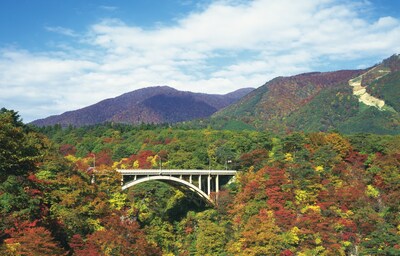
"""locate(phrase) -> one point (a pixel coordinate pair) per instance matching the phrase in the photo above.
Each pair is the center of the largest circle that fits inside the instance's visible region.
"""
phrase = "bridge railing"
(175, 172)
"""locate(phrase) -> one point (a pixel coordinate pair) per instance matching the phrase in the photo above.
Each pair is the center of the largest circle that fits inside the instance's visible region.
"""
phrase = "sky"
(57, 56)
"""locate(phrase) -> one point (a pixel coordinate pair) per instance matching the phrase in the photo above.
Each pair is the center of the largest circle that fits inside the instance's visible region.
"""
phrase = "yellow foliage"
(166, 164)
(301, 196)
(349, 213)
(115, 165)
(295, 230)
(117, 200)
(155, 161)
(291, 237)
(337, 183)
(71, 158)
(372, 192)
(95, 224)
(338, 226)
(346, 243)
(12, 248)
(260, 236)
(136, 164)
(336, 210)
(207, 133)
(340, 144)
(319, 250)
(120, 164)
(314, 208)
(271, 154)
(288, 157)
(319, 168)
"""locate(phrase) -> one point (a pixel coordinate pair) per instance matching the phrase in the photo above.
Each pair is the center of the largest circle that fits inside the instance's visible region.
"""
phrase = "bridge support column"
(200, 182)
(217, 183)
(209, 185)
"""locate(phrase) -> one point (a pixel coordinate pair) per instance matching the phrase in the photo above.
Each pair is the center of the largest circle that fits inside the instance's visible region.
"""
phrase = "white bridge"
(201, 182)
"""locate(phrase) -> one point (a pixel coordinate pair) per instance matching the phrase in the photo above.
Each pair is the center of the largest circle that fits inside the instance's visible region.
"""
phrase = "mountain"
(349, 101)
(161, 104)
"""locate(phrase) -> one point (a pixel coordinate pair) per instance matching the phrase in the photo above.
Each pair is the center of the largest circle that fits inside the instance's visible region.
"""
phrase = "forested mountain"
(161, 104)
(295, 194)
(349, 101)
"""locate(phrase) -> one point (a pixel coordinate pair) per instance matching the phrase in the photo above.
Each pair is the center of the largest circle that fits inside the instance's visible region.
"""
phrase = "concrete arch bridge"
(200, 182)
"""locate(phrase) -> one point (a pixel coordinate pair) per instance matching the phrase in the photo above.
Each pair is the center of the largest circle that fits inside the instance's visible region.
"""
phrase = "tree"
(20, 148)
(260, 236)
(120, 236)
(31, 240)
(210, 238)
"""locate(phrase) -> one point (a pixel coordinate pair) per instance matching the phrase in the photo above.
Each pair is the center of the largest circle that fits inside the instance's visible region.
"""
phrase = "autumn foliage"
(294, 194)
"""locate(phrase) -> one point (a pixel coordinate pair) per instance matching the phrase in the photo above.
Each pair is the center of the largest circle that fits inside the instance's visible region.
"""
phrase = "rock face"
(360, 91)
(348, 101)
(161, 104)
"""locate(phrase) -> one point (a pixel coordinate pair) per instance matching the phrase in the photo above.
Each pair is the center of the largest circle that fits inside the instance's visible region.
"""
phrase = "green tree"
(20, 148)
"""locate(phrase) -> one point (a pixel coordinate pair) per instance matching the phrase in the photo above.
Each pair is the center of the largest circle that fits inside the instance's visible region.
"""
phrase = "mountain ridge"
(348, 101)
(158, 104)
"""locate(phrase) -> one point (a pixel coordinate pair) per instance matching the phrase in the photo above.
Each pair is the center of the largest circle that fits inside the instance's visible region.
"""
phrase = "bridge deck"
(144, 172)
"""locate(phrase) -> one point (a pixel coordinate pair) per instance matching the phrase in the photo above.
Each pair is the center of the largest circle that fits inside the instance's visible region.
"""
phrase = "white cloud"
(108, 8)
(62, 31)
(216, 49)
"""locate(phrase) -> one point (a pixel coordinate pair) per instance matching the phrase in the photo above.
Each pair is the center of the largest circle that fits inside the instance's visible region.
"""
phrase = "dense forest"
(295, 194)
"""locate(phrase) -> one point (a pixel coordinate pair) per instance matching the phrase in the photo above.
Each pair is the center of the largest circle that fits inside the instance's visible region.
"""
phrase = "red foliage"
(163, 154)
(81, 165)
(104, 158)
(356, 159)
(350, 196)
(287, 252)
(33, 240)
(167, 141)
(379, 182)
(108, 140)
(254, 158)
(67, 149)
(121, 236)
(277, 197)
(142, 158)
(80, 248)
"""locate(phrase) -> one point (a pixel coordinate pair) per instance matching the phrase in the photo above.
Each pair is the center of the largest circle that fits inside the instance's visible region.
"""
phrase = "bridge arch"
(174, 181)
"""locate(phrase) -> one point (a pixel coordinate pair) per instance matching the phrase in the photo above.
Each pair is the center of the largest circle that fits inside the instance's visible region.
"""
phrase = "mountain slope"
(161, 104)
(348, 100)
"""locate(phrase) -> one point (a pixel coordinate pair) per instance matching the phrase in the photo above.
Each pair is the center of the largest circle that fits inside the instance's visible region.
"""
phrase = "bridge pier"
(200, 182)
(209, 185)
(217, 183)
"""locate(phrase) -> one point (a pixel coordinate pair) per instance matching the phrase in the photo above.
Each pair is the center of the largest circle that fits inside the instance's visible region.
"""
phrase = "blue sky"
(58, 55)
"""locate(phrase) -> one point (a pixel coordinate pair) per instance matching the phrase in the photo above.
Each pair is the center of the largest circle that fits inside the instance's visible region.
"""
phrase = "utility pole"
(94, 167)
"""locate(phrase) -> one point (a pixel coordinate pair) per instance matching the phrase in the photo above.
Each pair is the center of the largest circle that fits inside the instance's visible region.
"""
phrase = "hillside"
(161, 104)
(296, 194)
(349, 101)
